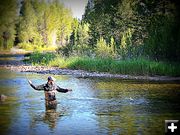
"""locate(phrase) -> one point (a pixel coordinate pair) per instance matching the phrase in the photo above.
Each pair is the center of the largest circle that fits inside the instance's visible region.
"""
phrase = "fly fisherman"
(50, 89)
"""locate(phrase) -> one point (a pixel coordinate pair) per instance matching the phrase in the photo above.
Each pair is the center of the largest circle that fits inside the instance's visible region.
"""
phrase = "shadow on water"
(50, 117)
(8, 108)
(95, 106)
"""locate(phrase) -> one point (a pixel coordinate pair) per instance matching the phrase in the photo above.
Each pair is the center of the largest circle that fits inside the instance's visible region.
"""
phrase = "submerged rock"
(2, 97)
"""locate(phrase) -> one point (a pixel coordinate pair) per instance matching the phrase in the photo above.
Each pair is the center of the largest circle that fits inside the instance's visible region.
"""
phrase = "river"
(96, 106)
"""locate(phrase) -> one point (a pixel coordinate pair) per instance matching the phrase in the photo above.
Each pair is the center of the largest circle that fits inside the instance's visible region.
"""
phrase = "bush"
(37, 58)
(104, 50)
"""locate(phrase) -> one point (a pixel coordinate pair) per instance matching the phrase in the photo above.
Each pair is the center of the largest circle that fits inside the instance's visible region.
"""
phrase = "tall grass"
(131, 67)
(37, 58)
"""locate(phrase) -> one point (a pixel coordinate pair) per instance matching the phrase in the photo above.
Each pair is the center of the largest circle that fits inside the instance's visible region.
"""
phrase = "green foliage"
(27, 29)
(32, 47)
(44, 24)
(112, 19)
(79, 40)
(163, 39)
(132, 66)
(26, 46)
(58, 62)
(74, 37)
(126, 44)
(104, 50)
(64, 50)
(125, 29)
(82, 33)
(139, 28)
(82, 47)
(8, 18)
(37, 58)
(62, 23)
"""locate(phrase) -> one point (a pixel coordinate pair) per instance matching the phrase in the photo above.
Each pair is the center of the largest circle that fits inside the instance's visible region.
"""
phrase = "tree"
(44, 23)
(82, 46)
(8, 17)
(163, 39)
(153, 25)
(73, 37)
(65, 27)
(28, 23)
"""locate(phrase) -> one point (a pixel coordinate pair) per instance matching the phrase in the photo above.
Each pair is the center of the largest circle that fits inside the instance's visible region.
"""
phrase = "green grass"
(131, 67)
(37, 58)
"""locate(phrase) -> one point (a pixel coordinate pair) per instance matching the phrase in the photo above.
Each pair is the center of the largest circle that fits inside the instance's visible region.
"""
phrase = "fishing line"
(26, 77)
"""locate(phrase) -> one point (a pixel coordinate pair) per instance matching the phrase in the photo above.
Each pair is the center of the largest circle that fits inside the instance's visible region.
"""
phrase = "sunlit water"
(95, 106)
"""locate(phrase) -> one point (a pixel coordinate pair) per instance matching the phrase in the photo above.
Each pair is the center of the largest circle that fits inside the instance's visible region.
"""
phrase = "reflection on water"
(49, 117)
(95, 106)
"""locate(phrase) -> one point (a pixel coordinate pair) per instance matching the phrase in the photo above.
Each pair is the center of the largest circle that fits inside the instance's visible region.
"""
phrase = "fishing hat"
(51, 78)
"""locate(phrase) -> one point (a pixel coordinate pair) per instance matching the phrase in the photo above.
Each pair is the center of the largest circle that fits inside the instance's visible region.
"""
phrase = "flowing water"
(95, 106)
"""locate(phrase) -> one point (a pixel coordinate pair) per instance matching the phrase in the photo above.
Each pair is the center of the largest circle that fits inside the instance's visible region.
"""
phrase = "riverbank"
(14, 51)
(135, 67)
(15, 63)
(83, 73)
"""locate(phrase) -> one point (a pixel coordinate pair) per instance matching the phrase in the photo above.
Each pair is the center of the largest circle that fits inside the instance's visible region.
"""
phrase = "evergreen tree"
(44, 23)
(153, 25)
(28, 23)
(104, 50)
(79, 40)
(73, 37)
(8, 18)
(163, 29)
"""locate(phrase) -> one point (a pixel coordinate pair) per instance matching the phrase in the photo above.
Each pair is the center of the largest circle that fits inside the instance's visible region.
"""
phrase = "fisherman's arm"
(39, 87)
(62, 89)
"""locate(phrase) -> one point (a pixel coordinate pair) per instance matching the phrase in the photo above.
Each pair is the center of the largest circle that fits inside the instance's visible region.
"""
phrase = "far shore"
(83, 74)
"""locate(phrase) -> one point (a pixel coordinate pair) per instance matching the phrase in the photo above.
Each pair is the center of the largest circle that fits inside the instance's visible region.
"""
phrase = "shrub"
(104, 50)
(41, 58)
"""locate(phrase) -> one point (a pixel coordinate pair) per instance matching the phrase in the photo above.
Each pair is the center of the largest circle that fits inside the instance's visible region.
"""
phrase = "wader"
(50, 93)
(50, 99)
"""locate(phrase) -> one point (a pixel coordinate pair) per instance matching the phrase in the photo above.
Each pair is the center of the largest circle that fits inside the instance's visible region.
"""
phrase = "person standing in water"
(50, 89)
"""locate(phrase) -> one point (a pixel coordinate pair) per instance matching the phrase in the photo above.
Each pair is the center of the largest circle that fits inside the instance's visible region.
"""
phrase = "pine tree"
(44, 23)
(27, 30)
(8, 18)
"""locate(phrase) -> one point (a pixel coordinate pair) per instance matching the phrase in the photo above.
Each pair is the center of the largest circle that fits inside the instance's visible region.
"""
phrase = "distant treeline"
(149, 28)
(34, 24)
(120, 29)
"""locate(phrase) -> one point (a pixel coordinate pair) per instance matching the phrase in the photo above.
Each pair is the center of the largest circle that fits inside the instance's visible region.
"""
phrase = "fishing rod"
(29, 81)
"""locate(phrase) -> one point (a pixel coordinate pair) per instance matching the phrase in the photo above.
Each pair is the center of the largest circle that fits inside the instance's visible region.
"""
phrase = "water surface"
(95, 106)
